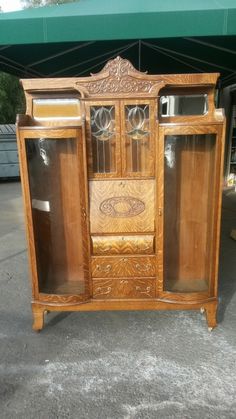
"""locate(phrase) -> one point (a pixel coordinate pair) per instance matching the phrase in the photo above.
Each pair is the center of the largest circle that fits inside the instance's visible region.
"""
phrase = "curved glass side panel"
(56, 190)
(189, 173)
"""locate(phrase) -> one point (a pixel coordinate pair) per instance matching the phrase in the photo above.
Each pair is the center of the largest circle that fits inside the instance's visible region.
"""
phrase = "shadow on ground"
(112, 364)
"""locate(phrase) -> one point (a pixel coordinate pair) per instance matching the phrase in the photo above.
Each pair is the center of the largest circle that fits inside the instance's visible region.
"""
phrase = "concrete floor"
(112, 364)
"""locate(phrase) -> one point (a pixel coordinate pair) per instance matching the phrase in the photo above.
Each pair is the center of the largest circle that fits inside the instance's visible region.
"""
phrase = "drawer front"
(112, 245)
(126, 206)
(124, 288)
(118, 267)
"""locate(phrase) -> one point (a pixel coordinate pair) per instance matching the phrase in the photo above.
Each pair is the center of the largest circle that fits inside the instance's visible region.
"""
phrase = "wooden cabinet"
(121, 175)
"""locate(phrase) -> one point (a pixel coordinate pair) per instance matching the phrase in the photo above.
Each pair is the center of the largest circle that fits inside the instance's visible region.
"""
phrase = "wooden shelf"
(67, 288)
(190, 285)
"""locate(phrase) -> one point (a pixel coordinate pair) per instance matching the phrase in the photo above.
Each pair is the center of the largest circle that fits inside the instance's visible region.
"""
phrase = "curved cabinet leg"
(211, 310)
(38, 317)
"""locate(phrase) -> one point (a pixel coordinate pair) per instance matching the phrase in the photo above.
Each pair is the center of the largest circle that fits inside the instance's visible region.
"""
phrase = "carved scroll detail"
(118, 67)
(102, 291)
(143, 268)
(103, 268)
(118, 76)
(124, 288)
(144, 291)
(115, 85)
(134, 206)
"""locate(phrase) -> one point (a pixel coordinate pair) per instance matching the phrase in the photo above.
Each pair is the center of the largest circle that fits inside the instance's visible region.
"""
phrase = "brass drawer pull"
(102, 290)
(143, 268)
(143, 291)
(103, 268)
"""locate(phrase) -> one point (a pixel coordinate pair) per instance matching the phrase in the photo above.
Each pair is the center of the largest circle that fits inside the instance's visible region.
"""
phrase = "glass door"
(103, 137)
(189, 203)
(55, 189)
(138, 133)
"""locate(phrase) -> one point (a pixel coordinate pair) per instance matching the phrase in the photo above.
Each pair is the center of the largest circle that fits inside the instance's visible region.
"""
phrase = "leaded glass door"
(138, 133)
(103, 139)
(120, 138)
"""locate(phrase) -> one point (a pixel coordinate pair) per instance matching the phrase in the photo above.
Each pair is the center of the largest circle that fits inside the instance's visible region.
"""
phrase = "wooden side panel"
(159, 208)
(72, 186)
(123, 206)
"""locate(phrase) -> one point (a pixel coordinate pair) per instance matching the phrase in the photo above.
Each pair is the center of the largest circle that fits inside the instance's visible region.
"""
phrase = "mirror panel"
(46, 109)
(180, 105)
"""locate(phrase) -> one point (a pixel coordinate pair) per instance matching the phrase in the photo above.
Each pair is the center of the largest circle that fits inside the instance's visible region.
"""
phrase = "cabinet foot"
(38, 319)
(211, 316)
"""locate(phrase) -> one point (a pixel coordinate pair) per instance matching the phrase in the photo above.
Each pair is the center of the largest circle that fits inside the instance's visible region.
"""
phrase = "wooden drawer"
(124, 288)
(118, 267)
(111, 245)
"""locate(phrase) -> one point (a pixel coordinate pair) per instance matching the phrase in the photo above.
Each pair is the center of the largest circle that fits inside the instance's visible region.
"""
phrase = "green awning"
(123, 19)
(156, 35)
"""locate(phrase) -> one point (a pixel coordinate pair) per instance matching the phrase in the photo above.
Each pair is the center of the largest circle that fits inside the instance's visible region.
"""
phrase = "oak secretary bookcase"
(121, 175)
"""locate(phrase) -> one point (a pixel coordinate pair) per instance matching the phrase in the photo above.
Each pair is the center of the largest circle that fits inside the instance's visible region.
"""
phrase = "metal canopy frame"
(160, 37)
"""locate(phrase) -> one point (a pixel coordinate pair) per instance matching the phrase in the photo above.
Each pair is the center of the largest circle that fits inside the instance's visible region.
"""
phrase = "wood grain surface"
(124, 288)
(140, 190)
(114, 266)
(112, 245)
(122, 213)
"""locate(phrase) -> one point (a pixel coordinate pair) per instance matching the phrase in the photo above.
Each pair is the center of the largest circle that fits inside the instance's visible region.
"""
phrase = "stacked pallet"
(9, 165)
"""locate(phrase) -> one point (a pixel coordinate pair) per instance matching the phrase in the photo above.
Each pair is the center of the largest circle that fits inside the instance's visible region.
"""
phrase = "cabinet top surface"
(120, 78)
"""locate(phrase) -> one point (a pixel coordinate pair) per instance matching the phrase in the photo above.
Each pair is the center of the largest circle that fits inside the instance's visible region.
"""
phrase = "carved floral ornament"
(120, 77)
(122, 206)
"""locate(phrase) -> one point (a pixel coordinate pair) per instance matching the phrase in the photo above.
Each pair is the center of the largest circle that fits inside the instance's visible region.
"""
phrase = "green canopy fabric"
(123, 19)
(169, 36)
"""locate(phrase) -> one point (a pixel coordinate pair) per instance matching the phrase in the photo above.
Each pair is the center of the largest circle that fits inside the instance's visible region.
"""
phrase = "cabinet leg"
(38, 317)
(211, 316)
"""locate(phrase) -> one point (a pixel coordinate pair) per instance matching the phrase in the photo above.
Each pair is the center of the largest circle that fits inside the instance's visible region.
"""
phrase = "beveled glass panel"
(137, 139)
(56, 192)
(189, 172)
(177, 105)
(102, 125)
